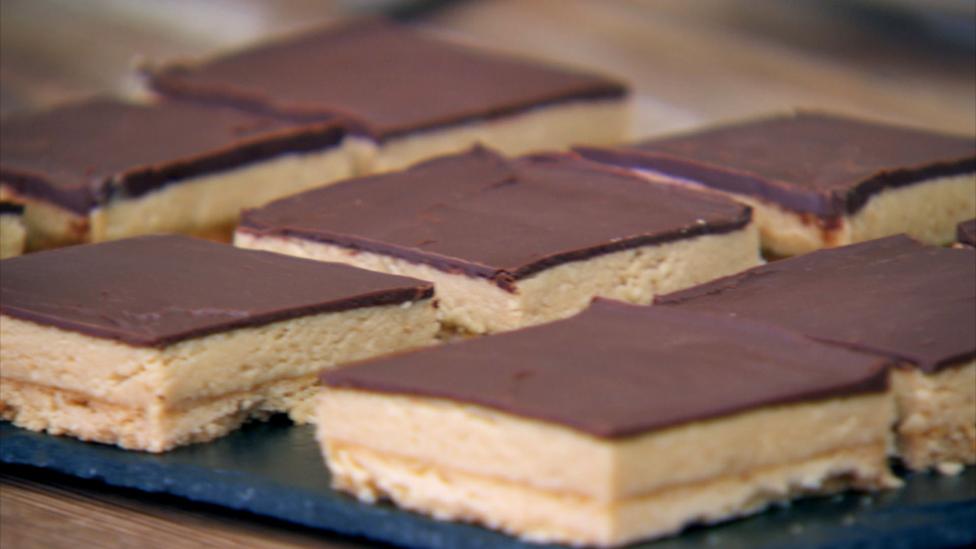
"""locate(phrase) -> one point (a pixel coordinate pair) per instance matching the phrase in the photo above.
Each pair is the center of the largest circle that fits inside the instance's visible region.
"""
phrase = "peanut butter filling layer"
(465, 462)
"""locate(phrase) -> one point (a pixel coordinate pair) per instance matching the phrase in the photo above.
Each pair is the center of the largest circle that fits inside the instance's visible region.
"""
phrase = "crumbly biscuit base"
(937, 417)
(475, 305)
(543, 516)
(155, 428)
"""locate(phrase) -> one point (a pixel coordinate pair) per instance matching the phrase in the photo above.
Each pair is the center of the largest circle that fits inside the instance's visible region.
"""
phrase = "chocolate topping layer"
(618, 370)
(807, 162)
(483, 215)
(891, 296)
(79, 156)
(11, 208)
(156, 290)
(391, 78)
(966, 232)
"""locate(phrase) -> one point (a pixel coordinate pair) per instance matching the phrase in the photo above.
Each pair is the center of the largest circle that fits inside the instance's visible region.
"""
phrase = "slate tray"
(274, 469)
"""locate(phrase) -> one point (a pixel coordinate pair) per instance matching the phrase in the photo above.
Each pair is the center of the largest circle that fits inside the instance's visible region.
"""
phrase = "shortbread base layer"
(476, 305)
(551, 483)
(197, 206)
(937, 417)
(153, 429)
(928, 211)
(12, 236)
(554, 127)
(545, 517)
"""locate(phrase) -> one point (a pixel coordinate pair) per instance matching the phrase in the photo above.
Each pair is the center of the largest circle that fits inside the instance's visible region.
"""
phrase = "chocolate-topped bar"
(966, 233)
(104, 169)
(12, 233)
(818, 180)
(418, 96)
(894, 297)
(514, 242)
(621, 423)
(154, 342)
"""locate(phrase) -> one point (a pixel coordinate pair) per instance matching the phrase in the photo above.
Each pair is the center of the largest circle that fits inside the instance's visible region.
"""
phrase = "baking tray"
(274, 469)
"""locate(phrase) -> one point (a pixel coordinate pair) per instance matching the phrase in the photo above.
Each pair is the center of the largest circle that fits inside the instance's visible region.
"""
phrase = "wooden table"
(45, 510)
(690, 63)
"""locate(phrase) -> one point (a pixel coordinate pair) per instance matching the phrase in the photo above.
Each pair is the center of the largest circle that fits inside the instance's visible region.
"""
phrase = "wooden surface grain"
(43, 510)
(689, 63)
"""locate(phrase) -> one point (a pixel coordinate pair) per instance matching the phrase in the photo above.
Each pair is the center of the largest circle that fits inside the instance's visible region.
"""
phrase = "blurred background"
(690, 62)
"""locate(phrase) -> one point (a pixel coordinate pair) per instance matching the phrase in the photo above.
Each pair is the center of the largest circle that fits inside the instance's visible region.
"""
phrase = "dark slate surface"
(274, 469)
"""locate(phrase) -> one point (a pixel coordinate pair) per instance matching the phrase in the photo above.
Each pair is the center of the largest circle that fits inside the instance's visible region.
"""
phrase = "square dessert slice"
(619, 424)
(419, 96)
(104, 169)
(155, 342)
(12, 233)
(894, 296)
(509, 243)
(818, 180)
(966, 233)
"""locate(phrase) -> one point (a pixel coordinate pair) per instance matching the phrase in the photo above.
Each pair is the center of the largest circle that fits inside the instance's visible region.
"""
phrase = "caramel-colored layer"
(476, 305)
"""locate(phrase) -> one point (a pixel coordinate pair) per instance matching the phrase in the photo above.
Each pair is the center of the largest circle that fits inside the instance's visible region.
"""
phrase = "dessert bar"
(159, 341)
(418, 96)
(103, 169)
(895, 297)
(622, 423)
(818, 180)
(509, 243)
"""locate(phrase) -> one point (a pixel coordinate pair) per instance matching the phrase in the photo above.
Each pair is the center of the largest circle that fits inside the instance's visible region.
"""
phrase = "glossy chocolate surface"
(892, 296)
(392, 79)
(156, 290)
